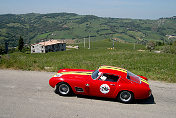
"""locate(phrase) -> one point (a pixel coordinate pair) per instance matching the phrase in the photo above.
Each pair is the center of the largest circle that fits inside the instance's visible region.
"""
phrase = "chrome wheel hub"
(125, 96)
(64, 89)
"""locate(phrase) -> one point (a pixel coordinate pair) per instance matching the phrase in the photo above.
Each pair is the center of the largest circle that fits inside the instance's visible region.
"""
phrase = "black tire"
(125, 97)
(63, 89)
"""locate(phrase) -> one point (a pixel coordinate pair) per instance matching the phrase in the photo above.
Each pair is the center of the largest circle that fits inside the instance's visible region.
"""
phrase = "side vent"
(78, 89)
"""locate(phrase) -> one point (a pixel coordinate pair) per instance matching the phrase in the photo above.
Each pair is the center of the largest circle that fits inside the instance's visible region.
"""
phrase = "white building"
(48, 46)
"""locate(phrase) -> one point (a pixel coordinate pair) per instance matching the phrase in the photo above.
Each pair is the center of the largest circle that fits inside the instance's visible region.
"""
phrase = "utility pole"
(113, 44)
(84, 43)
(87, 27)
(89, 41)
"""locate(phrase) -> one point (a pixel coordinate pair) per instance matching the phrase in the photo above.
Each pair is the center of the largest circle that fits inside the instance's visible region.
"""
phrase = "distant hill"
(34, 27)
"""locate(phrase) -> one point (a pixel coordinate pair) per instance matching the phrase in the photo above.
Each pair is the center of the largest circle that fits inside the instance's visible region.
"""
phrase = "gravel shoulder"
(27, 94)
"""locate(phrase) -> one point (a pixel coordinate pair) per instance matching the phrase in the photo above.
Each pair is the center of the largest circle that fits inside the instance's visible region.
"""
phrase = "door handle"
(112, 84)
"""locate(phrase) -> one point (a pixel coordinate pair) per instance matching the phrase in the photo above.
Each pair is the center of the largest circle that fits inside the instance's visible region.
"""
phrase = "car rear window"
(131, 76)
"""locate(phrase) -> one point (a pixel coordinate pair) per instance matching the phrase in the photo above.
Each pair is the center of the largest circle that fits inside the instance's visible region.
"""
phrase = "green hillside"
(34, 27)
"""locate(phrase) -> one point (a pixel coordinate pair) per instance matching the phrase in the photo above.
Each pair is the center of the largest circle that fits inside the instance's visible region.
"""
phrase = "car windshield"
(131, 76)
(95, 74)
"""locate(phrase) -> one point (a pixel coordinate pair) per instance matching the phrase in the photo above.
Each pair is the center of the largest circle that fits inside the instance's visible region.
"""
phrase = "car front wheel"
(63, 89)
(126, 97)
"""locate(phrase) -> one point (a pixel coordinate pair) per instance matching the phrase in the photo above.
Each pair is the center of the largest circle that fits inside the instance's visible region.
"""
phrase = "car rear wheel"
(63, 89)
(126, 97)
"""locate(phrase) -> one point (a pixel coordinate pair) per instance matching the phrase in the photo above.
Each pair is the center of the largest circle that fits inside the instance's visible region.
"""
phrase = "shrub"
(2, 50)
(170, 48)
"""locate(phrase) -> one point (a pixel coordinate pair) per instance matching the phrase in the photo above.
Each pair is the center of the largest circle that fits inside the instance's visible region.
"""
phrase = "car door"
(104, 88)
(79, 85)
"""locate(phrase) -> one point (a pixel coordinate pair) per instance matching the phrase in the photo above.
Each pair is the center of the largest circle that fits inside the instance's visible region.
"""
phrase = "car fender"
(55, 80)
(145, 78)
(76, 83)
(123, 87)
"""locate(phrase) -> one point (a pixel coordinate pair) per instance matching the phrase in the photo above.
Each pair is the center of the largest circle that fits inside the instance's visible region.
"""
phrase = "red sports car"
(107, 81)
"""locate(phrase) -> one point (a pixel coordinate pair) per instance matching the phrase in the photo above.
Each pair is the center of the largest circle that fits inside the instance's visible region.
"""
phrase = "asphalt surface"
(26, 94)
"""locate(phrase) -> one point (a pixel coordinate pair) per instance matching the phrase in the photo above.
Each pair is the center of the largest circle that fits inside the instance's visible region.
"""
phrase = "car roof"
(112, 70)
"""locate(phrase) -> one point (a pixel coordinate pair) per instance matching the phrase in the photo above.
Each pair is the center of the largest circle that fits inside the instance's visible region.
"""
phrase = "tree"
(158, 43)
(150, 45)
(20, 44)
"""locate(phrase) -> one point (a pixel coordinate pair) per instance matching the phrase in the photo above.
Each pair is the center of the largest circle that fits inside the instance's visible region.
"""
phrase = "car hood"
(74, 70)
(81, 74)
(72, 73)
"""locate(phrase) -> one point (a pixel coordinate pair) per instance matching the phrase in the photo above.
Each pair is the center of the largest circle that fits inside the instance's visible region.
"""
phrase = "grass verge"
(152, 65)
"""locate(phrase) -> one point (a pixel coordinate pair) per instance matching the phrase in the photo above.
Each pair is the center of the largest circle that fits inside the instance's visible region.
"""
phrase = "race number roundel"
(104, 88)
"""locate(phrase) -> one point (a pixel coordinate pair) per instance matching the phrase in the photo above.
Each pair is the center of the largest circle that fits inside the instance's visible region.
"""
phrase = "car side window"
(109, 77)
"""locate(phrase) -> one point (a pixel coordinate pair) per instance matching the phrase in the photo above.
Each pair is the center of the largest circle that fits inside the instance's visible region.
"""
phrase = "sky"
(135, 9)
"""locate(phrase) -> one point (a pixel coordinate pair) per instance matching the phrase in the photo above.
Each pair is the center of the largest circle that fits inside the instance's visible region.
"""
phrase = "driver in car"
(102, 77)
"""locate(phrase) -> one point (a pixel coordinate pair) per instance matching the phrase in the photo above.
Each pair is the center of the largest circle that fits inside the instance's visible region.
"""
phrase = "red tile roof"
(50, 42)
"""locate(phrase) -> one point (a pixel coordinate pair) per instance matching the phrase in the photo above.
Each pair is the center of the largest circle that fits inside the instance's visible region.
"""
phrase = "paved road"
(26, 94)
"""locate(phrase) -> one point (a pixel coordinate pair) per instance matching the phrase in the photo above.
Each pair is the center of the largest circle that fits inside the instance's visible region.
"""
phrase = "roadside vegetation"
(155, 66)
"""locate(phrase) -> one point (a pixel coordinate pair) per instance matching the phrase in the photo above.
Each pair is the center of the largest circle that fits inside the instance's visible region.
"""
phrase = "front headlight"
(57, 75)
